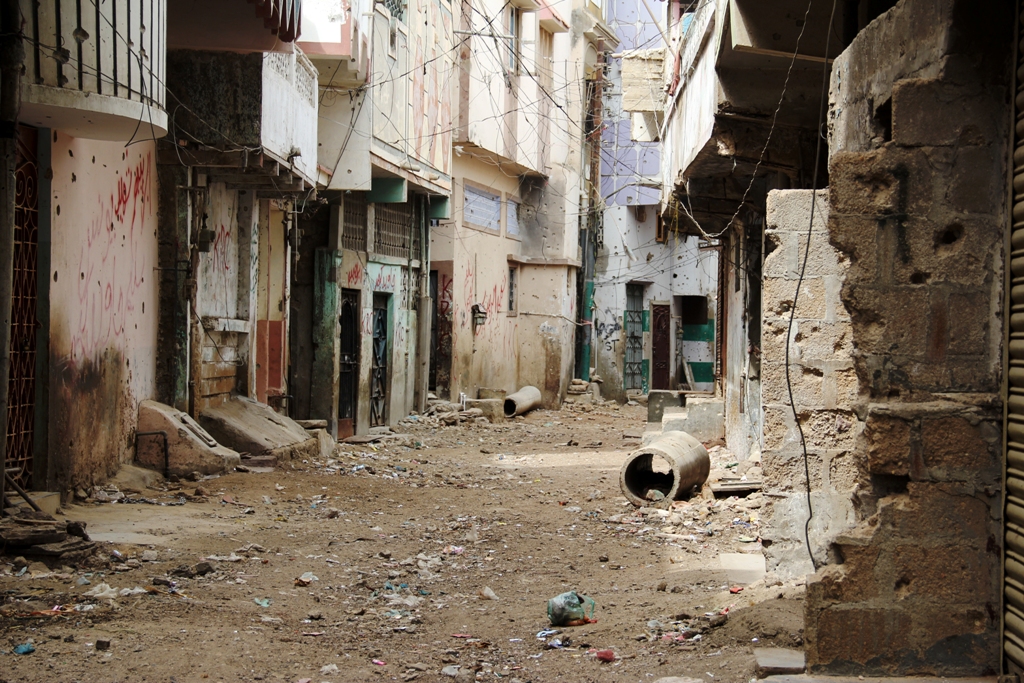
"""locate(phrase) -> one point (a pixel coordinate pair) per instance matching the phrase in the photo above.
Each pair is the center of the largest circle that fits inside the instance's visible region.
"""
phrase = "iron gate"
(22, 390)
(634, 324)
(379, 372)
(348, 381)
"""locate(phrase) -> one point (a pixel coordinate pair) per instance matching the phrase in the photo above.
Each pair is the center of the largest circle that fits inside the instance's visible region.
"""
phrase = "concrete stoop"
(702, 418)
(251, 427)
(190, 448)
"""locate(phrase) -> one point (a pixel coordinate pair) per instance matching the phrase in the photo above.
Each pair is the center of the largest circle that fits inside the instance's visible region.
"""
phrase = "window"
(482, 209)
(513, 286)
(512, 218)
(661, 234)
(693, 310)
(515, 31)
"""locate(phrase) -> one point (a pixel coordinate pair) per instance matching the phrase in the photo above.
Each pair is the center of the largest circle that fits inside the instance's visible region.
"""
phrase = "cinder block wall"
(919, 126)
(824, 383)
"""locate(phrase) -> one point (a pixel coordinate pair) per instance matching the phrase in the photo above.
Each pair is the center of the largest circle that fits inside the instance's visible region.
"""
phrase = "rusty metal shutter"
(1013, 519)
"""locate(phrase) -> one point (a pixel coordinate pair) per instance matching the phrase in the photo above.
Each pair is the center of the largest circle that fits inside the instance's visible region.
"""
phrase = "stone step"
(773, 661)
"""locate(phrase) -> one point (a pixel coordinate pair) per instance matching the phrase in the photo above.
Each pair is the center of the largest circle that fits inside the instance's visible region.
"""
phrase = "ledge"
(532, 261)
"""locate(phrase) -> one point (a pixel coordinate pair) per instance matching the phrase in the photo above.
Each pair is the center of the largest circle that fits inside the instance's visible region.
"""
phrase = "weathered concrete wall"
(103, 304)
(918, 208)
(825, 387)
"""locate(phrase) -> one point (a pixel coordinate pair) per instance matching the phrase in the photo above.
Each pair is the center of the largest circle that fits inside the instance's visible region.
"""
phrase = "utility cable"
(800, 281)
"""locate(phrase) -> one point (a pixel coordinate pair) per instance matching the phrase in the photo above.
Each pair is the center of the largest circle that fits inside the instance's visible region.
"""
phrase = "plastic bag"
(570, 609)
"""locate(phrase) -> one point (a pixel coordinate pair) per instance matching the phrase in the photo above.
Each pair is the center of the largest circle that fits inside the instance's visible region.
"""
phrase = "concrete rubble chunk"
(189, 447)
(772, 661)
(252, 427)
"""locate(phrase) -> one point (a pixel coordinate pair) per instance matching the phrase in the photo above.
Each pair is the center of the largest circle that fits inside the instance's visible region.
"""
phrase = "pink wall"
(103, 303)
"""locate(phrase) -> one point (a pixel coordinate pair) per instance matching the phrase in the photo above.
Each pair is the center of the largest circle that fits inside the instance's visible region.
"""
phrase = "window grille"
(512, 218)
(396, 8)
(482, 209)
(353, 234)
(633, 365)
(393, 227)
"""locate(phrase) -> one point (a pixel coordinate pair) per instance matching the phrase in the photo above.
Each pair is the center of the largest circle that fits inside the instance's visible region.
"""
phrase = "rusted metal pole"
(12, 58)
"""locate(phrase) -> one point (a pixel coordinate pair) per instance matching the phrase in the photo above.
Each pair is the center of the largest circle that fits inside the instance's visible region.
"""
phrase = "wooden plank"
(736, 486)
(211, 387)
(219, 369)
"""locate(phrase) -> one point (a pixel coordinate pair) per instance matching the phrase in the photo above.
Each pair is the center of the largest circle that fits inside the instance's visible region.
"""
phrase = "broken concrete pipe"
(523, 401)
(682, 464)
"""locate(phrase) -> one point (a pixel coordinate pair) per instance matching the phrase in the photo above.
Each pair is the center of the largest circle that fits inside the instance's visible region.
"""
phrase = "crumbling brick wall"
(824, 382)
(919, 145)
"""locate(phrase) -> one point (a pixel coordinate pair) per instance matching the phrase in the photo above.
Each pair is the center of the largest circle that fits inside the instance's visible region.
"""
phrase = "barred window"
(512, 217)
(482, 209)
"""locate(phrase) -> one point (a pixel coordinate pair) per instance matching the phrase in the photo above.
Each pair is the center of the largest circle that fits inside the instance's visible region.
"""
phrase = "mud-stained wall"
(918, 176)
(103, 304)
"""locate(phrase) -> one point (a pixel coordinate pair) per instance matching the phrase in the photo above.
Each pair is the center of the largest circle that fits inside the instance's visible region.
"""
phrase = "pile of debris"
(37, 534)
(450, 414)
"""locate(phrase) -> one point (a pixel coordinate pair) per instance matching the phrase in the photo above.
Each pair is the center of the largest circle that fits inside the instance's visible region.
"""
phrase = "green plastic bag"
(570, 609)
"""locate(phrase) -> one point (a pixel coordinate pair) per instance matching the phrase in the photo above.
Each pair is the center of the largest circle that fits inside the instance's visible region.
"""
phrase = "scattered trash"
(571, 609)
(329, 669)
(605, 655)
(541, 635)
(306, 579)
(736, 589)
(263, 602)
(24, 649)
(222, 558)
(451, 670)
(102, 592)
(102, 645)
(486, 593)
(379, 662)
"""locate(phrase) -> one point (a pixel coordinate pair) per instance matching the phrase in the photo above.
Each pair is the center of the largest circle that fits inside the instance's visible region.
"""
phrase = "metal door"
(661, 346)
(348, 381)
(634, 324)
(21, 393)
(379, 371)
(1013, 514)
(432, 379)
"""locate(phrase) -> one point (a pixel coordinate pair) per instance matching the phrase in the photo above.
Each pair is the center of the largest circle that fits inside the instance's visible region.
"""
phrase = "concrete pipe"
(664, 470)
(523, 401)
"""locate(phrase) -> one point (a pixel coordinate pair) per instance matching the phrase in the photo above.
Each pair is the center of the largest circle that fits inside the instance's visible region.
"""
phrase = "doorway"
(379, 369)
(348, 380)
(661, 346)
(633, 376)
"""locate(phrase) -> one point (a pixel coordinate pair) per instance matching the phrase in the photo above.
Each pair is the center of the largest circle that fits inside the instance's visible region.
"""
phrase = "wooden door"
(661, 345)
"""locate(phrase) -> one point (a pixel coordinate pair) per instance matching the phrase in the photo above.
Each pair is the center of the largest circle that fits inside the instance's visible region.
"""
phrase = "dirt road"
(372, 566)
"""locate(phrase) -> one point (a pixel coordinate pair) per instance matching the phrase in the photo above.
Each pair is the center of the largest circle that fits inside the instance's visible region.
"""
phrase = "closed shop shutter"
(1013, 581)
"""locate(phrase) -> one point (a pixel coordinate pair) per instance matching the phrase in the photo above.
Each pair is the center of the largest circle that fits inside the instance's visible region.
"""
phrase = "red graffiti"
(385, 282)
(221, 244)
(355, 275)
(112, 262)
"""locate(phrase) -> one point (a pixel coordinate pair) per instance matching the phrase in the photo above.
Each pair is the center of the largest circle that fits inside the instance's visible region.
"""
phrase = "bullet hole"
(58, 209)
(675, 275)
(55, 276)
(55, 136)
(143, 308)
(950, 235)
(82, 276)
(71, 153)
(74, 178)
(94, 159)
(920, 278)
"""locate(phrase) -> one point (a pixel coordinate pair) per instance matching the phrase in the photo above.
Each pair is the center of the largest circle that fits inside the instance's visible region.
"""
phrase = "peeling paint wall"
(103, 304)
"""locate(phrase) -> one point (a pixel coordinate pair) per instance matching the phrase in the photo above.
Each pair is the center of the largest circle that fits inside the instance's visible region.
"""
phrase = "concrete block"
(190, 447)
(325, 441)
(928, 112)
(770, 661)
(743, 568)
(493, 408)
(48, 501)
(484, 393)
(658, 400)
(254, 428)
(703, 418)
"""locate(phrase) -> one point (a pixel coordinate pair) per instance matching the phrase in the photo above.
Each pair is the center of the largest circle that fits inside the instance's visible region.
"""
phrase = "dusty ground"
(402, 541)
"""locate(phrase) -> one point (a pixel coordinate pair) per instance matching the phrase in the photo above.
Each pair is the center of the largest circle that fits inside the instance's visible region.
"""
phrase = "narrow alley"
(377, 561)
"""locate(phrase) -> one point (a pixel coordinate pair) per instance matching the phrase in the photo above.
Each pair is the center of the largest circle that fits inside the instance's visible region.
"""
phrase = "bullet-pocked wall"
(102, 302)
(919, 128)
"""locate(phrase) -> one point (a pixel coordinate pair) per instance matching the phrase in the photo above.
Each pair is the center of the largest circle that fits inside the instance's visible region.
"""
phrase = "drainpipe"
(423, 317)
(12, 58)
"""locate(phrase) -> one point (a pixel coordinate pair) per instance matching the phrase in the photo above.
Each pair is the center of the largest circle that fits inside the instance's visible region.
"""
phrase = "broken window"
(513, 286)
(482, 209)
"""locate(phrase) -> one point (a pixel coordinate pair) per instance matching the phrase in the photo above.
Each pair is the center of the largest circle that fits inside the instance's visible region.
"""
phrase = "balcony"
(95, 74)
(337, 39)
(250, 108)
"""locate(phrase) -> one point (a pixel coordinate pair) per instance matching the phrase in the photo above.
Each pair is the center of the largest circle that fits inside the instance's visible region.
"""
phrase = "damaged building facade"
(868, 347)
(654, 287)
